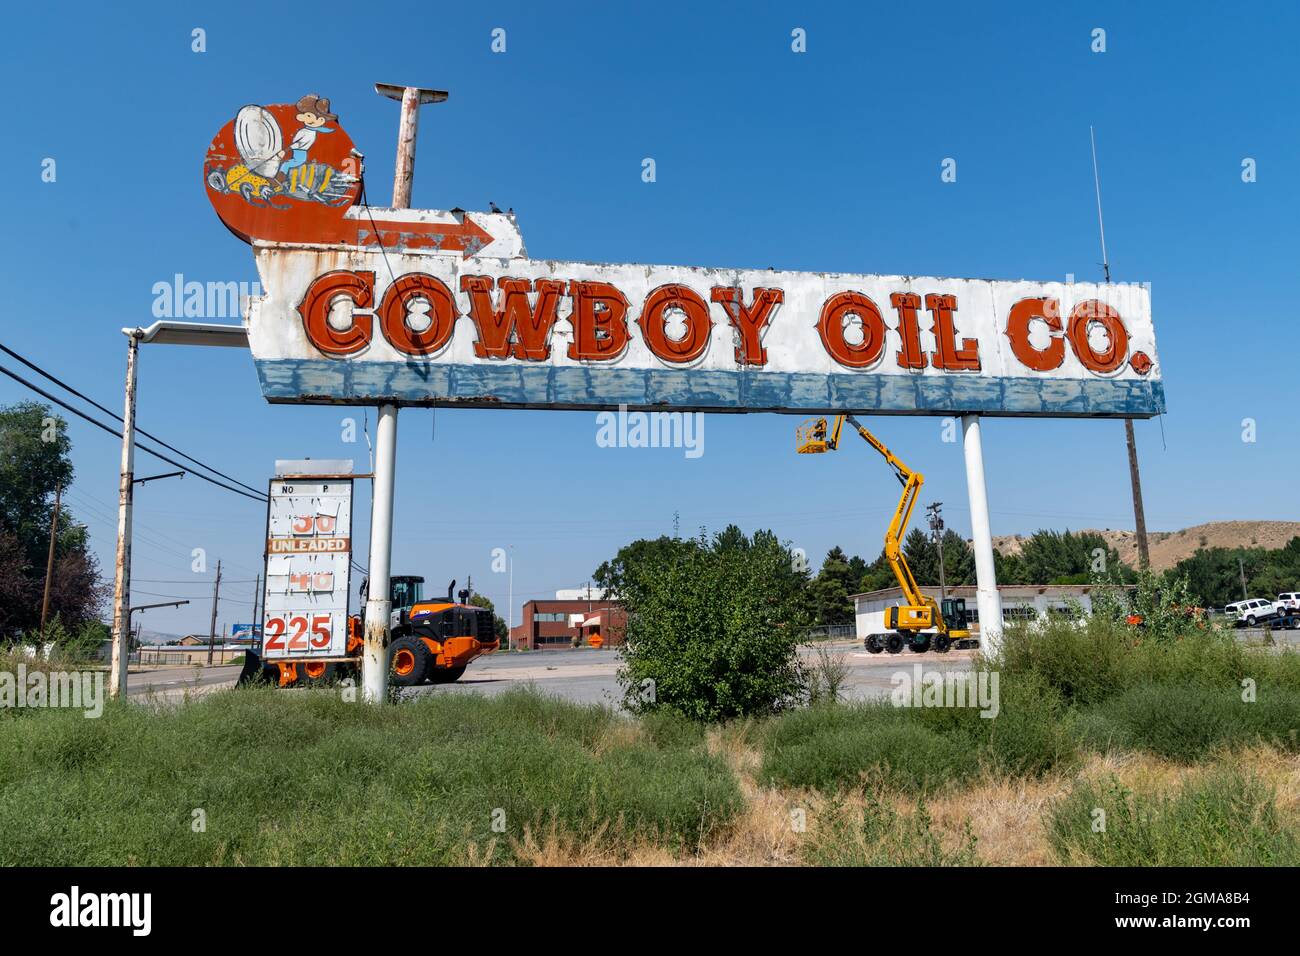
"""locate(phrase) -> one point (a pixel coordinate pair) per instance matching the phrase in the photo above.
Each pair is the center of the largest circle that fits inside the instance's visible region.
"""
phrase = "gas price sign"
(308, 557)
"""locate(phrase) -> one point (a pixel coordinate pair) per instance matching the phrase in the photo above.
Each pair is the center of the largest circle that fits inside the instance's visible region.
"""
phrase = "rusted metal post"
(125, 495)
(374, 663)
(49, 560)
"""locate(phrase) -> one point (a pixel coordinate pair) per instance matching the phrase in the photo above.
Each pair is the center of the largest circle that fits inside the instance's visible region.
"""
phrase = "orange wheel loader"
(429, 642)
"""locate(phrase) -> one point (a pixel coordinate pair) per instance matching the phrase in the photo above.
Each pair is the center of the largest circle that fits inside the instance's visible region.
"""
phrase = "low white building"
(1020, 602)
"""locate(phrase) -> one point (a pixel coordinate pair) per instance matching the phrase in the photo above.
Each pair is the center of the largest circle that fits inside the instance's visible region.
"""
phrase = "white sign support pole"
(987, 598)
(374, 663)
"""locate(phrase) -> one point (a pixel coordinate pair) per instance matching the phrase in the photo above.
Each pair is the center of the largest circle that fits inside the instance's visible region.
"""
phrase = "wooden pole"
(49, 560)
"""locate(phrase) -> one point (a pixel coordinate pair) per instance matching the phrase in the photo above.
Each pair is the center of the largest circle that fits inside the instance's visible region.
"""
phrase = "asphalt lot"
(583, 675)
(591, 676)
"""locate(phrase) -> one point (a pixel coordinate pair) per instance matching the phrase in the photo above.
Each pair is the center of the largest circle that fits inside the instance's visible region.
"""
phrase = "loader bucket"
(252, 670)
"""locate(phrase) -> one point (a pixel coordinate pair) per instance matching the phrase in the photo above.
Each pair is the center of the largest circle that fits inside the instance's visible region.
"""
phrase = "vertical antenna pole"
(1130, 440)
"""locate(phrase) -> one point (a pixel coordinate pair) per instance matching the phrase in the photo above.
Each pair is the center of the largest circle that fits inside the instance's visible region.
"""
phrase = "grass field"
(1106, 750)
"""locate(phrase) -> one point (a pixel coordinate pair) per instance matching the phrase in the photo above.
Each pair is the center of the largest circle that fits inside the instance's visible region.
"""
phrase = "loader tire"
(446, 675)
(317, 674)
(409, 662)
(894, 643)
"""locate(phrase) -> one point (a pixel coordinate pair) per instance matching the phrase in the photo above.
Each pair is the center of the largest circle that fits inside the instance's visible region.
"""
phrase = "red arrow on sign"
(466, 237)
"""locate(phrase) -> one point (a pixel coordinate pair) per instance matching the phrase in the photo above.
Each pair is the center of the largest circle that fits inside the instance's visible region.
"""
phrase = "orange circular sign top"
(284, 173)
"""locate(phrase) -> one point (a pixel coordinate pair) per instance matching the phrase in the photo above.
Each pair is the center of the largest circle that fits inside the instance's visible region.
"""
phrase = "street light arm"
(170, 474)
(145, 607)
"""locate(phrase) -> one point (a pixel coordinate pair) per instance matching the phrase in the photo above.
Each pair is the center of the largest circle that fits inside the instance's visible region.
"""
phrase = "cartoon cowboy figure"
(313, 113)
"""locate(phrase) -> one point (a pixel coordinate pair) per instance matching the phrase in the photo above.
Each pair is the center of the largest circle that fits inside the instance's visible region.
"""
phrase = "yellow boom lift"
(920, 623)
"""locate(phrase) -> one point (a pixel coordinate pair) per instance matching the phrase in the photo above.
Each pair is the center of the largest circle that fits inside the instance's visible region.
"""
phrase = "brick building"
(554, 623)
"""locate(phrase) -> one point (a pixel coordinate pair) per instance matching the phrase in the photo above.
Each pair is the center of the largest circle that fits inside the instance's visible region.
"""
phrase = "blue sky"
(826, 160)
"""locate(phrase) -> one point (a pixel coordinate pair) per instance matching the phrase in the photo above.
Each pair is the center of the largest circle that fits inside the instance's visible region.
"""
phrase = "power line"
(64, 385)
(112, 431)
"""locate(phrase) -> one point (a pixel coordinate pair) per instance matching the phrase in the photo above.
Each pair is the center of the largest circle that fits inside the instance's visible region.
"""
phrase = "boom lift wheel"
(942, 643)
(873, 644)
(919, 647)
(894, 643)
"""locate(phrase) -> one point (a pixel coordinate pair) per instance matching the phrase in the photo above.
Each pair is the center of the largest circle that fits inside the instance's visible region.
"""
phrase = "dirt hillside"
(1170, 547)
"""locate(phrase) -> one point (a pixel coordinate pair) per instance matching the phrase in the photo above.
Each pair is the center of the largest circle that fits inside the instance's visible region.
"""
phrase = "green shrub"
(305, 778)
(1029, 735)
(877, 835)
(917, 749)
(713, 629)
(834, 746)
(1091, 662)
(1085, 663)
(1188, 722)
(1223, 819)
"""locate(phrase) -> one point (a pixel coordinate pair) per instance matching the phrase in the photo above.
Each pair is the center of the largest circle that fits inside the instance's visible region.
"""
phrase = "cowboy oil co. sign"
(424, 307)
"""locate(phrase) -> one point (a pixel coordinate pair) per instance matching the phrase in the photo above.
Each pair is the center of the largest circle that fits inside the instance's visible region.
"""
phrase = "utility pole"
(125, 497)
(212, 626)
(374, 663)
(510, 604)
(1135, 479)
(936, 529)
(1241, 569)
(257, 594)
(49, 561)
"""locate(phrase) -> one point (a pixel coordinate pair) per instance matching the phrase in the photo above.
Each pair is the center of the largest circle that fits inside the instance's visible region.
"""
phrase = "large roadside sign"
(308, 562)
(426, 307)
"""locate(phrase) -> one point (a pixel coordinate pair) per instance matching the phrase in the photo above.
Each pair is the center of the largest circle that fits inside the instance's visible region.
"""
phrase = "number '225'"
(295, 629)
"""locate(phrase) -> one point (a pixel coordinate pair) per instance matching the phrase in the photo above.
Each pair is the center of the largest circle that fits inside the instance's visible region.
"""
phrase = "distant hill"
(158, 637)
(1170, 547)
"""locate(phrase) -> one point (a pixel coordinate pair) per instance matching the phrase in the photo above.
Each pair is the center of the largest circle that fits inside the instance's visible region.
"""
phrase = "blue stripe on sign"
(326, 381)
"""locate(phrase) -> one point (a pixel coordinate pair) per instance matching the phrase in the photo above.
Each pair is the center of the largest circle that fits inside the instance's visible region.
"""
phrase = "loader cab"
(954, 613)
(407, 590)
(404, 590)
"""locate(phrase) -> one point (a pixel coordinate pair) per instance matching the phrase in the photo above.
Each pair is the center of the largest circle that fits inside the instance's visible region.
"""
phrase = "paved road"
(589, 676)
(174, 680)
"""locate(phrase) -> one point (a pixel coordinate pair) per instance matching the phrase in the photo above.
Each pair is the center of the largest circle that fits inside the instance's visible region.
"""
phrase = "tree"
(878, 575)
(1214, 574)
(611, 574)
(1009, 568)
(34, 461)
(730, 537)
(499, 626)
(1281, 571)
(922, 557)
(1052, 557)
(712, 628)
(829, 592)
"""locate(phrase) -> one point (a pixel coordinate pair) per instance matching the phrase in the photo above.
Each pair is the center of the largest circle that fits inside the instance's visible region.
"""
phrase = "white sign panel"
(365, 305)
(416, 327)
(308, 560)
